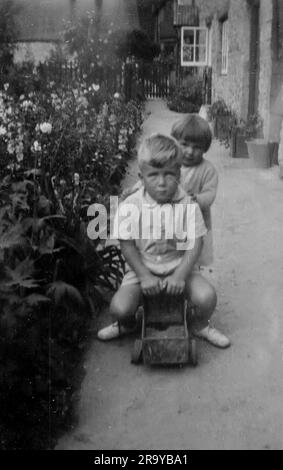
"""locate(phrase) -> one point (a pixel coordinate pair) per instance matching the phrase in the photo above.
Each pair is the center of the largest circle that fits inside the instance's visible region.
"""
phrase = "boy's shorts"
(131, 278)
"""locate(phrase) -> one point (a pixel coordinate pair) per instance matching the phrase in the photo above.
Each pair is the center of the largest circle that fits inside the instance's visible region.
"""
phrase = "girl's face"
(160, 183)
(192, 153)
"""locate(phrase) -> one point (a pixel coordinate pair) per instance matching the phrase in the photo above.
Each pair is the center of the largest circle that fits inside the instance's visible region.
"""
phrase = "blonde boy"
(157, 264)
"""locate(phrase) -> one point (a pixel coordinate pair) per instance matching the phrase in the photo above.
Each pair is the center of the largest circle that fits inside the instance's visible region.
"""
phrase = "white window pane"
(188, 53)
(200, 54)
(189, 36)
(201, 37)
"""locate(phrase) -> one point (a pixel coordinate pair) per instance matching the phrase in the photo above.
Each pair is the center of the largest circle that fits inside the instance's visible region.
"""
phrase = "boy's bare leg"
(123, 307)
(203, 296)
(125, 303)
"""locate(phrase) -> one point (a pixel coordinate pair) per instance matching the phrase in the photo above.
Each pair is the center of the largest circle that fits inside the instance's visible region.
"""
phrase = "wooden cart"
(165, 337)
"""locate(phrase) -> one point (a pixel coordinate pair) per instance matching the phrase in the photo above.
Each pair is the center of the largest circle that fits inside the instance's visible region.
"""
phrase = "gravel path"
(233, 399)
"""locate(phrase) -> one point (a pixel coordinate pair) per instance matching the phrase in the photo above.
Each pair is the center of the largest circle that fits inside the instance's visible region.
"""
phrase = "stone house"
(242, 42)
(41, 22)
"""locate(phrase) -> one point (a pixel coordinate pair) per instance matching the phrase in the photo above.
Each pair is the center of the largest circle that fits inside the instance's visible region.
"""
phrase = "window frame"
(194, 63)
(224, 46)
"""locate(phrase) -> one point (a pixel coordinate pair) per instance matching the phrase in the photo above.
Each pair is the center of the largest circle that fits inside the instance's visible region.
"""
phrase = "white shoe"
(115, 330)
(213, 336)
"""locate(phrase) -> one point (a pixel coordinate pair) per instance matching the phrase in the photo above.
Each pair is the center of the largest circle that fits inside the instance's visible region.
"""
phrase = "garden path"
(233, 399)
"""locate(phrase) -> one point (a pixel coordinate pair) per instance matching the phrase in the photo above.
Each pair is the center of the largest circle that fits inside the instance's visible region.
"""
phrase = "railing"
(147, 80)
(67, 72)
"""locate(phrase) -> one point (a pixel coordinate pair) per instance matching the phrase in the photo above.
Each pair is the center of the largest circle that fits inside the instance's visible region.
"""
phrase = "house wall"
(265, 74)
(234, 86)
(276, 96)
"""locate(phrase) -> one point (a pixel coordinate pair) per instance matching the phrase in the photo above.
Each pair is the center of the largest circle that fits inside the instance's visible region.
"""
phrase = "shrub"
(187, 99)
(62, 148)
(136, 43)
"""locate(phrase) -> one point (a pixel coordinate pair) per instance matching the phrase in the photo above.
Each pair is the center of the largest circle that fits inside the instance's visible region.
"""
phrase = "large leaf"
(60, 290)
(35, 299)
(22, 275)
(12, 237)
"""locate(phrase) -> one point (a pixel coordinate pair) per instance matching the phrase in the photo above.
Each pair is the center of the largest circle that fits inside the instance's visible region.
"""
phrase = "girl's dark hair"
(193, 128)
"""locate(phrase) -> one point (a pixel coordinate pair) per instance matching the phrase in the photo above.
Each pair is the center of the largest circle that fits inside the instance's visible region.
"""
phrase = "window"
(194, 46)
(224, 48)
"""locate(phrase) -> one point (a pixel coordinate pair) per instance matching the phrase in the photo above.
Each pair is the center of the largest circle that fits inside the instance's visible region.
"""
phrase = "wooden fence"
(147, 80)
(68, 73)
(134, 79)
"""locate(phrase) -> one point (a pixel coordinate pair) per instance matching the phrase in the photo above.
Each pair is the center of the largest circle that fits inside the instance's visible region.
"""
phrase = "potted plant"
(224, 120)
(259, 149)
(243, 131)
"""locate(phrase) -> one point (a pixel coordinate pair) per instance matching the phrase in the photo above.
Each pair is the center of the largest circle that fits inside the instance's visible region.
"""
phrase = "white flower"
(10, 148)
(45, 128)
(76, 179)
(95, 87)
(117, 95)
(27, 104)
(6, 86)
(36, 147)
(3, 131)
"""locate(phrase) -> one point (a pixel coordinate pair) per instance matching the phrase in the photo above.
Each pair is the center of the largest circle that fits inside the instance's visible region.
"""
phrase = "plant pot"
(259, 152)
(221, 127)
(238, 144)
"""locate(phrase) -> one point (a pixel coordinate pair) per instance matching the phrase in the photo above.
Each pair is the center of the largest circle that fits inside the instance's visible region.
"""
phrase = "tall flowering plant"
(61, 149)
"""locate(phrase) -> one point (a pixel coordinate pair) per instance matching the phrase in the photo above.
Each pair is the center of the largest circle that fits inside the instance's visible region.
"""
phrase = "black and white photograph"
(141, 227)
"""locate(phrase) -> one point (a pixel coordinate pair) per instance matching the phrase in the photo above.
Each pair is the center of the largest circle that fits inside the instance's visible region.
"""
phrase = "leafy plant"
(225, 121)
(219, 108)
(187, 99)
(62, 148)
(136, 43)
(252, 127)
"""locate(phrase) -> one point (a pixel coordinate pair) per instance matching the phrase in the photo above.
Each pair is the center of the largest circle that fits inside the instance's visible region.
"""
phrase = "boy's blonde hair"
(158, 150)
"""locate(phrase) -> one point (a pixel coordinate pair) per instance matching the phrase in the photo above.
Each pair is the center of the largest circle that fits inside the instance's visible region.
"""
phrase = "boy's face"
(192, 153)
(160, 183)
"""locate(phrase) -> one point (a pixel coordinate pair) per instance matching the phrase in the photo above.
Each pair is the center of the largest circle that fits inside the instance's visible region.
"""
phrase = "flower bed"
(61, 149)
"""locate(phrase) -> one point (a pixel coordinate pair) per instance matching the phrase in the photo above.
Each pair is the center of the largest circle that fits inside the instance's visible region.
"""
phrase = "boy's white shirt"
(161, 256)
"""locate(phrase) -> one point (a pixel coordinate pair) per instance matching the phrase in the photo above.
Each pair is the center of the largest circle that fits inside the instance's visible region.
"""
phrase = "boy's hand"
(150, 285)
(193, 196)
(175, 285)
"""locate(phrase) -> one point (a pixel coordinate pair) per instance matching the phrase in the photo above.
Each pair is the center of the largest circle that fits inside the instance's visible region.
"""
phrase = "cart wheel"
(193, 352)
(137, 352)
